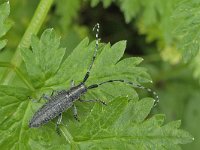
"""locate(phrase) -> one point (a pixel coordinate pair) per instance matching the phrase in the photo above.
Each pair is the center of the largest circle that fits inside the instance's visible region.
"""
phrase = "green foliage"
(72, 7)
(4, 23)
(106, 3)
(191, 118)
(188, 14)
(185, 105)
(153, 19)
(121, 124)
(195, 64)
(187, 30)
(130, 8)
(44, 60)
(127, 122)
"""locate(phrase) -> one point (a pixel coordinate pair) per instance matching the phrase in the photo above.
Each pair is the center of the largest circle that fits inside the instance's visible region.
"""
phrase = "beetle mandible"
(65, 99)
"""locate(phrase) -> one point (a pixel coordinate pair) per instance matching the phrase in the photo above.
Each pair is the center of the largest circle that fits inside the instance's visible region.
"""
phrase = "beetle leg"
(52, 93)
(75, 112)
(46, 97)
(72, 83)
(33, 100)
(58, 123)
(99, 101)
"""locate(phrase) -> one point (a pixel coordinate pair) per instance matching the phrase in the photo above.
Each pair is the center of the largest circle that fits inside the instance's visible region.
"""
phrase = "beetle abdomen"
(48, 112)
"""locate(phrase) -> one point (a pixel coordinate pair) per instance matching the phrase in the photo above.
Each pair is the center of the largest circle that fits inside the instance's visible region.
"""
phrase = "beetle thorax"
(77, 91)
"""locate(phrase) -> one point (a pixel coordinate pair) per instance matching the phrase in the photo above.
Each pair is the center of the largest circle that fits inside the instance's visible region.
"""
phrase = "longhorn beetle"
(57, 103)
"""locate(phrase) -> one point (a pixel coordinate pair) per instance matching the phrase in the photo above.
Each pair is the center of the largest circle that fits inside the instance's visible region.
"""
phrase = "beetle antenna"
(156, 97)
(96, 27)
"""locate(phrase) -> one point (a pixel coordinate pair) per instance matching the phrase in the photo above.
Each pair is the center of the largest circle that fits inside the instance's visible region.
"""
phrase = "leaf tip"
(124, 42)
(160, 118)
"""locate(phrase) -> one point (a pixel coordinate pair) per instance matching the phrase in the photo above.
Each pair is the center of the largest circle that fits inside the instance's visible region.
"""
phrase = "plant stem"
(33, 28)
(19, 73)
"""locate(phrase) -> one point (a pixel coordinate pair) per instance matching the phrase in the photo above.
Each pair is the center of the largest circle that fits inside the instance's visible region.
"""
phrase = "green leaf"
(118, 126)
(76, 65)
(106, 3)
(16, 110)
(191, 118)
(130, 8)
(5, 24)
(195, 64)
(104, 68)
(176, 103)
(94, 3)
(187, 14)
(122, 124)
(107, 66)
(13, 109)
(67, 10)
(154, 20)
(44, 60)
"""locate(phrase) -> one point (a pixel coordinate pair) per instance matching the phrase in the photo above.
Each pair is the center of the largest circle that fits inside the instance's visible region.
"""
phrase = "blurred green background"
(164, 33)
